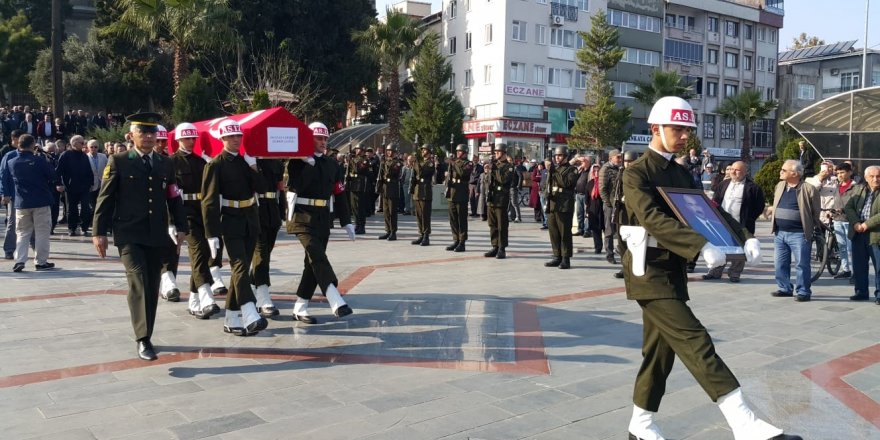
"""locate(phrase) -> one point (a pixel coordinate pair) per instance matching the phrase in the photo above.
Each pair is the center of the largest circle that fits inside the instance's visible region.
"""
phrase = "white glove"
(713, 256)
(309, 160)
(251, 161)
(206, 157)
(753, 251)
(172, 231)
(214, 245)
(349, 228)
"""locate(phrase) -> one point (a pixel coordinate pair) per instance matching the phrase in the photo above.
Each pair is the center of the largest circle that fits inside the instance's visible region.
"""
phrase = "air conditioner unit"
(557, 20)
(469, 112)
(835, 72)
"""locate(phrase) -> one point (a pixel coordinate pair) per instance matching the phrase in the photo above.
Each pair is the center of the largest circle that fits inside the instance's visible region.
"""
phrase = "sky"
(832, 21)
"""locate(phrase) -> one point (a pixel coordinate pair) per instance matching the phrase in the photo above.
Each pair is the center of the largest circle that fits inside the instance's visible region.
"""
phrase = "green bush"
(260, 100)
(109, 134)
(196, 100)
(767, 178)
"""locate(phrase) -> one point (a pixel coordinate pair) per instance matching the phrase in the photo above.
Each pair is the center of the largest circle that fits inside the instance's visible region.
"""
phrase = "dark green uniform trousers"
(670, 329)
(458, 220)
(389, 209)
(170, 260)
(317, 271)
(262, 254)
(199, 255)
(498, 225)
(559, 224)
(241, 252)
(142, 265)
(218, 260)
(423, 216)
(360, 203)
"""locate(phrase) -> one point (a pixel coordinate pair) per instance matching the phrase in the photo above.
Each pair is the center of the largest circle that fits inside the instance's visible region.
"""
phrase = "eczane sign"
(512, 89)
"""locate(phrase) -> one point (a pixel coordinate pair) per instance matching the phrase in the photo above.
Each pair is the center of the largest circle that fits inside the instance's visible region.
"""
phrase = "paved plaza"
(441, 345)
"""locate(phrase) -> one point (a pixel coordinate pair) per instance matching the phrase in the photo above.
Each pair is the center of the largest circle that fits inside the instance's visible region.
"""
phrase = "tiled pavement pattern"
(441, 345)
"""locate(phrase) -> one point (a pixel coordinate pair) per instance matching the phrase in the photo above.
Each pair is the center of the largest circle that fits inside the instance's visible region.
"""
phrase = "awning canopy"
(368, 135)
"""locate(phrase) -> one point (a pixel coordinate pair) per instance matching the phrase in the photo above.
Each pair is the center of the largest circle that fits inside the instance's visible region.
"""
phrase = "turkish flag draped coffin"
(270, 133)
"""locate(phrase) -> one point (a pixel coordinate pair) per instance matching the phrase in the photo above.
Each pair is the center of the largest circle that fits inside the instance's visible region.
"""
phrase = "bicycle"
(824, 252)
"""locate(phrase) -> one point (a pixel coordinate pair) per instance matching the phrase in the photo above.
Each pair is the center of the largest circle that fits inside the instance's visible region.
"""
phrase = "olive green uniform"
(422, 194)
(501, 179)
(141, 201)
(457, 194)
(388, 186)
(358, 185)
(229, 176)
(270, 182)
(189, 170)
(560, 207)
(170, 258)
(670, 327)
(311, 220)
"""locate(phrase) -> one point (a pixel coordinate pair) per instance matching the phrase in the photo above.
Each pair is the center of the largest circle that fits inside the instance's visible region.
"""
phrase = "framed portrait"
(694, 209)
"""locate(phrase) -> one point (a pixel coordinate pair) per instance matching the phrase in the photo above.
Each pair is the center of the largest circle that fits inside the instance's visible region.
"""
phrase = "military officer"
(457, 181)
(500, 181)
(189, 170)
(358, 186)
(270, 184)
(388, 187)
(562, 178)
(671, 329)
(422, 191)
(139, 194)
(230, 210)
(318, 185)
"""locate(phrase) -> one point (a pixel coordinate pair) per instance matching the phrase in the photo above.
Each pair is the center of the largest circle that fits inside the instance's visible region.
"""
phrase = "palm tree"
(392, 43)
(663, 83)
(187, 25)
(746, 107)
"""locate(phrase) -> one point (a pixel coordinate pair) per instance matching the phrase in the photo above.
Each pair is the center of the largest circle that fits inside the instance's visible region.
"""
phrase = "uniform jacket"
(665, 265)
(422, 181)
(853, 210)
(562, 180)
(808, 205)
(229, 176)
(270, 183)
(389, 177)
(189, 171)
(501, 179)
(139, 203)
(460, 173)
(607, 177)
(358, 178)
(752, 202)
(320, 181)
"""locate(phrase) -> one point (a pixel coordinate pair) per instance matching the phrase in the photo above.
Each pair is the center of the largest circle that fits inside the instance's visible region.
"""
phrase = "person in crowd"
(534, 194)
(829, 191)
(482, 202)
(806, 158)
(406, 176)
(10, 237)
(595, 209)
(863, 213)
(580, 191)
(846, 186)
(98, 161)
(607, 176)
(46, 130)
(515, 211)
(474, 186)
(75, 171)
(28, 126)
(543, 192)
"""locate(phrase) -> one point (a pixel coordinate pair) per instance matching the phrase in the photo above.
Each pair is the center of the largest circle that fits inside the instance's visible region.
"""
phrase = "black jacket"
(752, 202)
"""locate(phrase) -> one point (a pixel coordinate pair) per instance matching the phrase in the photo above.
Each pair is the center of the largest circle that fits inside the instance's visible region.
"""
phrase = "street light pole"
(865, 51)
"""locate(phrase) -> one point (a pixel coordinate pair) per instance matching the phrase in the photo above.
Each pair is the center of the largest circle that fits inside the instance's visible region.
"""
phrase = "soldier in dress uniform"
(500, 181)
(270, 186)
(168, 283)
(230, 209)
(561, 180)
(457, 182)
(388, 186)
(139, 193)
(189, 171)
(317, 187)
(655, 273)
(422, 191)
(358, 186)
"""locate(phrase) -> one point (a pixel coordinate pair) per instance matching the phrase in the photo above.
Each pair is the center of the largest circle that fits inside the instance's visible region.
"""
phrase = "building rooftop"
(811, 53)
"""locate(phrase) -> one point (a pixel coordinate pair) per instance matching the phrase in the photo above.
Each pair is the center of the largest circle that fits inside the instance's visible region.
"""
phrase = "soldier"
(628, 157)
(230, 211)
(168, 283)
(270, 184)
(139, 190)
(607, 176)
(189, 170)
(500, 181)
(562, 178)
(358, 185)
(388, 187)
(457, 193)
(316, 184)
(372, 181)
(670, 327)
(422, 194)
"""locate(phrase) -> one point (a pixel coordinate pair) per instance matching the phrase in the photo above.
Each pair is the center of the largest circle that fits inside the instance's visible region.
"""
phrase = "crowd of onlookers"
(45, 126)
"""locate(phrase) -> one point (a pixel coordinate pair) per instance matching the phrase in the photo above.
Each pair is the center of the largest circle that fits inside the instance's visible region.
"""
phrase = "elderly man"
(76, 175)
(98, 161)
(806, 159)
(743, 199)
(863, 212)
(795, 215)
(607, 177)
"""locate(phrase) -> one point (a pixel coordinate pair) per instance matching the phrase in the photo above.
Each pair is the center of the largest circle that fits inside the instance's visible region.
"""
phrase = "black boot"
(393, 236)
(452, 246)
(501, 254)
(384, 236)
(566, 263)
(460, 247)
(418, 240)
(554, 262)
(492, 253)
(425, 240)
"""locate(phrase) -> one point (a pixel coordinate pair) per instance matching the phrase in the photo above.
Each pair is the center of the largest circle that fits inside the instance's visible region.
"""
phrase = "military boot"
(554, 262)
(452, 246)
(460, 247)
(418, 240)
(392, 236)
(384, 236)
(566, 263)
(425, 240)
(501, 254)
(491, 253)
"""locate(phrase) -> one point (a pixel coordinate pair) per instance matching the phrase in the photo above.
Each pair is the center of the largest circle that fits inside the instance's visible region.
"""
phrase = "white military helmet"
(161, 132)
(228, 127)
(672, 110)
(319, 129)
(186, 130)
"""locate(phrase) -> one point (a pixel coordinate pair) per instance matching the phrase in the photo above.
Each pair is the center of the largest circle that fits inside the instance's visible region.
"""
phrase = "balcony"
(569, 12)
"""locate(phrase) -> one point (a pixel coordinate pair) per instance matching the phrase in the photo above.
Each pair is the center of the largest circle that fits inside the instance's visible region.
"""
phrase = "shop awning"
(368, 135)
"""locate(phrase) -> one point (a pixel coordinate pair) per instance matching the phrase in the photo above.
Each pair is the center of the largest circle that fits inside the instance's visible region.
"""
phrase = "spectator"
(846, 186)
(32, 180)
(856, 177)
(76, 175)
(46, 129)
(10, 238)
(406, 175)
(28, 126)
(829, 194)
(60, 129)
(607, 177)
(534, 197)
(99, 120)
(740, 197)
(474, 185)
(543, 191)
(863, 213)
(51, 154)
(81, 123)
(514, 209)
(692, 163)
(482, 208)
(595, 209)
(98, 161)
(580, 191)
(806, 159)
(706, 160)
(708, 174)
(795, 215)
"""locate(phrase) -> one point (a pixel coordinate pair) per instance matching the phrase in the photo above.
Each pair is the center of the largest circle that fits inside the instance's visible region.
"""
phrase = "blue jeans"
(580, 207)
(788, 244)
(543, 208)
(862, 252)
(841, 232)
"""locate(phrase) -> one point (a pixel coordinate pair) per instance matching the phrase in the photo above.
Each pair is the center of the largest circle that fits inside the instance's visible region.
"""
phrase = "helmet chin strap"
(663, 138)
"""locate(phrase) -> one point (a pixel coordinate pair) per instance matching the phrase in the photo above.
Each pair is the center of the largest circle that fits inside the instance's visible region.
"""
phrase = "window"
(712, 24)
(452, 46)
(539, 75)
(543, 2)
(849, 81)
(468, 78)
(807, 92)
(683, 52)
(622, 89)
(731, 60)
(579, 41)
(559, 77)
(762, 33)
(487, 74)
(452, 83)
(712, 88)
(747, 31)
(728, 129)
(580, 80)
(584, 5)
(641, 56)
(540, 34)
(467, 5)
(519, 30)
(747, 62)
(563, 38)
(525, 110)
(713, 56)
(467, 41)
(772, 35)
(709, 127)
(762, 63)
(729, 90)
(771, 64)
(517, 72)
(633, 21)
(731, 28)
(487, 33)
(453, 9)
(762, 133)
(770, 94)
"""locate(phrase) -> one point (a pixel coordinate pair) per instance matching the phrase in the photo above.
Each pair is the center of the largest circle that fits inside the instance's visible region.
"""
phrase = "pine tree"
(196, 100)
(601, 122)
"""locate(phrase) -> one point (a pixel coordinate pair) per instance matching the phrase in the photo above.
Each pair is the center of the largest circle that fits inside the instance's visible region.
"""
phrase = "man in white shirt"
(97, 160)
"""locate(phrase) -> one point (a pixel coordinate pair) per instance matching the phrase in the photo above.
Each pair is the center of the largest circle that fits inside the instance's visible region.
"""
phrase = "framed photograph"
(694, 209)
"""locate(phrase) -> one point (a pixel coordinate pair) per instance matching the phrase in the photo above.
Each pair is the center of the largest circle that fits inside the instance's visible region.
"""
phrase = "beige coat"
(808, 205)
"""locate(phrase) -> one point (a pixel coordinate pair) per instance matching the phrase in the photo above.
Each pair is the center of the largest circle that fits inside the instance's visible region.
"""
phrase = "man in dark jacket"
(474, 186)
(75, 171)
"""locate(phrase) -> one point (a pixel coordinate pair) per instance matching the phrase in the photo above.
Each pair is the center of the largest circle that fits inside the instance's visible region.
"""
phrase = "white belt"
(188, 197)
(239, 203)
(652, 242)
(311, 202)
(268, 195)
